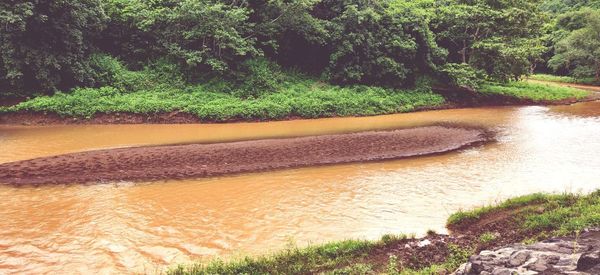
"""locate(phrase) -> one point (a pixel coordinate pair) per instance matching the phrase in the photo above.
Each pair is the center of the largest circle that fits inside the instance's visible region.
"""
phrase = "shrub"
(462, 75)
(258, 77)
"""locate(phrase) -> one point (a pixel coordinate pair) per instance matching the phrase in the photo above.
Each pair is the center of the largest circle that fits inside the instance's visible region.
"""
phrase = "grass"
(295, 96)
(565, 79)
(487, 237)
(458, 255)
(336, 257)
(472, 215)
(533, 91)
(306, 98)
(561, 214)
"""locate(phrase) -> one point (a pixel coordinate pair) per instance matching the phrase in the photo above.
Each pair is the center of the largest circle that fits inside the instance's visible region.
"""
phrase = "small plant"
(392, 238)
(355, 269)
(487, 237)
(393, 266)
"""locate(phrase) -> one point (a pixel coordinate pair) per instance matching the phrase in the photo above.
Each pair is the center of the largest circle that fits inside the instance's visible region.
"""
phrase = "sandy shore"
(205, 160)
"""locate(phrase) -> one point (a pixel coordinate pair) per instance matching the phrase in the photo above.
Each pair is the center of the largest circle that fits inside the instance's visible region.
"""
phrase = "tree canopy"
(47, 46)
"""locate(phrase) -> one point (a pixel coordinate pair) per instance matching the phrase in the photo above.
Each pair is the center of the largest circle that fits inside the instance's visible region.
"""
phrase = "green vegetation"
(578, 50)
(564, 79)
(558, 214)
(227, 59)
(305, 98)
(472, 215)
(293, 260)
(487, 237)
(458, 256)
(346, 257)
(533, 91)
(572, 40)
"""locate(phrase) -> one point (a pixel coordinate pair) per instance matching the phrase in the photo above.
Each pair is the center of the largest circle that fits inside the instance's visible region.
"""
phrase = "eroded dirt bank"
(203, 160)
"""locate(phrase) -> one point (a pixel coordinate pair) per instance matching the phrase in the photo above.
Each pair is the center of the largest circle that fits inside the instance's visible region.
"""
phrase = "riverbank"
(302, 100)
(525, 219)
(588, 81)
(206, 160)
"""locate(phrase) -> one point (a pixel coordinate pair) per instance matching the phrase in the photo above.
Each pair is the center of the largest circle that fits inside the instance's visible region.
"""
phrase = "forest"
(272, 58)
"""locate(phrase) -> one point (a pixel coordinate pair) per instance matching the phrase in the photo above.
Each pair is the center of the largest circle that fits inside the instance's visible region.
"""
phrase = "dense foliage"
(573, 39)
(213, 101)
(501, 38)
(49, 46)
(45, 45)
(579, 51)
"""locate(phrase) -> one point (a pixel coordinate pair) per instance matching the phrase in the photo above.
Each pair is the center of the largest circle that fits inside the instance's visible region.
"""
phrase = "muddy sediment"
(205, 160)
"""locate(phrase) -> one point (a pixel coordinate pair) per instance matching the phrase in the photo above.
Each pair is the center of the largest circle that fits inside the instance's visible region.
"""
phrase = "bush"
(109, 71)
(258, 76)
(304, 98)
(462, 75)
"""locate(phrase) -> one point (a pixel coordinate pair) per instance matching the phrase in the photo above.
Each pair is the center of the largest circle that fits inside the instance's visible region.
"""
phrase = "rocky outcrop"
(554, 256)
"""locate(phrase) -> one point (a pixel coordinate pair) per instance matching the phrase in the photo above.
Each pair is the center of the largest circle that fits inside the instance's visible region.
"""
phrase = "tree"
(210, 36)
(500, 37)
(373, 42)
(45, 45)
(579, 52)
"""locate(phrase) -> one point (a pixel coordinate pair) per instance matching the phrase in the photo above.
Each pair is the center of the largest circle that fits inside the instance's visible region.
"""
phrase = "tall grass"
(565, 79)
(561, 214)
(303, 98)
(533, 91)
(294, 260)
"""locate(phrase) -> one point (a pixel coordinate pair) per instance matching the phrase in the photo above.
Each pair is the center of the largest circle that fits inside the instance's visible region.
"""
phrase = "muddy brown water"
(125, 228)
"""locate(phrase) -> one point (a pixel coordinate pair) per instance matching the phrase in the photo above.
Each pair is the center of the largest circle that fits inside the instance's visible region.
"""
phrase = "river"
(123, 227)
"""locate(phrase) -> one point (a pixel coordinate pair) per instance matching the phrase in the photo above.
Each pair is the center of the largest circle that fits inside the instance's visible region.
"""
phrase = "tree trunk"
(464, 52)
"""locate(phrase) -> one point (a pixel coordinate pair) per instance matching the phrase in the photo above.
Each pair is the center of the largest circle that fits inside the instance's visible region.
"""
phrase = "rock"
(519, 257)
(538, 265)
(423, 243)
(502, 271)
(553, 256)
(589, 261)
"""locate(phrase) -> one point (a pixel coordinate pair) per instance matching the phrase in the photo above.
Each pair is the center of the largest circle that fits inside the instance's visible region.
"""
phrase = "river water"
(145, 227)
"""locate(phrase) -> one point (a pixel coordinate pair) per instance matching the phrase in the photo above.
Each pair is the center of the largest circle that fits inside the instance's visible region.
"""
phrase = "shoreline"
(37, 118)
(165, 162)
(457, 98)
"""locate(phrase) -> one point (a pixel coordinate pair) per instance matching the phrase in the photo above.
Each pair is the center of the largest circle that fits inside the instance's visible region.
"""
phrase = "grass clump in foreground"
(543, 214)
(299, 97)
(346, 257)
(533, 91)
(561, 214)
(565, 79)
(294, 260)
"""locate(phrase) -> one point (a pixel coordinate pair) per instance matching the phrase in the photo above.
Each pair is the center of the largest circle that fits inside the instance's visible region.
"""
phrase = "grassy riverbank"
(303, 98)
(523, 219)
(294, 97)
(565, 79)
(533, 91)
